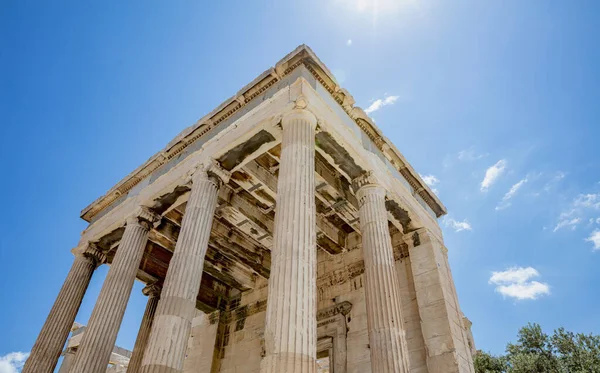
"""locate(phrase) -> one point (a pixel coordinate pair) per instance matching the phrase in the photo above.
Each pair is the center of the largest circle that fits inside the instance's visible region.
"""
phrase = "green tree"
(537, 352)
(532, 353)
(577, 353)
(487, 363)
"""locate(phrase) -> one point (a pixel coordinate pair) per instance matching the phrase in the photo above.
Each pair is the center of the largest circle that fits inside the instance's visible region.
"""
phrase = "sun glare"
(376, 6)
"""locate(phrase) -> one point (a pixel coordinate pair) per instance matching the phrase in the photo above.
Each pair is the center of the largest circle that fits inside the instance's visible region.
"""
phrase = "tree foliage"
(538, 352)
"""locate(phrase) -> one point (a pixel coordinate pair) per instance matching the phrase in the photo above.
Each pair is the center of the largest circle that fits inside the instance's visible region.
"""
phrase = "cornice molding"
(301, 56)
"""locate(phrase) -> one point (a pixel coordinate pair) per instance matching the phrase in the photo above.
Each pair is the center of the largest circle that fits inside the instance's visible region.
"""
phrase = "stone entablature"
(352, 160)
(302, 56)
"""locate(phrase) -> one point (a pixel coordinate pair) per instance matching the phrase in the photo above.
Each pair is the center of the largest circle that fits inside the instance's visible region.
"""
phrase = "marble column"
(49, 344)
(291, 330)
(176, 309)
(153, 293)
(100, 335)
(384, 309)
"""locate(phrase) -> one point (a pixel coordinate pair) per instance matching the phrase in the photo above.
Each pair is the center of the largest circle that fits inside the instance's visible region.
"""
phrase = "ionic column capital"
(152, 290)
(94, 253)
(299, 113)
(143, 216)
(367, 183)
(210, 170)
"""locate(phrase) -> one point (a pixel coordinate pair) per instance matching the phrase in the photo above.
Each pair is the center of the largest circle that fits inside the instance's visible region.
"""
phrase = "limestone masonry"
(117, 363)
(280, 233)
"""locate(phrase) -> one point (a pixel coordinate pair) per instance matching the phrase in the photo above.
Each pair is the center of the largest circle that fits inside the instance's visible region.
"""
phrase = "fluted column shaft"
(173, 320)
(384, 315)
(100, 335)
(49, 344)
(290, 330)
(135, 363)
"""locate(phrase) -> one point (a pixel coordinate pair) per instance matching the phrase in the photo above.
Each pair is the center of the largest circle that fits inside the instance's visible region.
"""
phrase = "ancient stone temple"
(280, 233)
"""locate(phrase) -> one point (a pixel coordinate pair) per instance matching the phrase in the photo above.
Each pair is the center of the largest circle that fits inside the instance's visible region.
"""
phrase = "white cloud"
(557, 177)
(587, 201)
(458, 225)
(381, 102)
(580, 208)
(514, 274)
(470, 155)
(594, 238)
(510, 194)
(431, 181)
(492, 174)
(349, 42)
(567, 222)
(13, 362)
(516, 283)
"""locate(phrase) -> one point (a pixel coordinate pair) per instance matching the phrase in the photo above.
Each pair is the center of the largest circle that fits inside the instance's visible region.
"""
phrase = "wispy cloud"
(349, 42)
(381, 102)
(579, 209)
(492, 174)
(465, 155)
(594, 238)
(431, 182)
(470, 155)
(566, 221)
(557, 177)
(587, 201)
(505, 202)
(13, 362)
(516, 282)
(457, 225)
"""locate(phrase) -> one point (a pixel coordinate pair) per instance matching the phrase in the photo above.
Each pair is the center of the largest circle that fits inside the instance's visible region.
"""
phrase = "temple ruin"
(282, 232)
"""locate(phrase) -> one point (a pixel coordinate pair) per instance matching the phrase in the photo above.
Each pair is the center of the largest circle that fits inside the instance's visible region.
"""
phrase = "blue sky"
(495, 102)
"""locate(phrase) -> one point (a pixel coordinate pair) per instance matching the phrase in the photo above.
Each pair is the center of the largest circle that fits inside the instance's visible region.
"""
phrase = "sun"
(376, 6)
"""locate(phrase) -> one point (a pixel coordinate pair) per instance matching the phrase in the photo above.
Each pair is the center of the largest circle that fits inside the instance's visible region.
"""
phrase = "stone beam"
(238, 248)
(335, 238)
(231, 272)
(333, 190)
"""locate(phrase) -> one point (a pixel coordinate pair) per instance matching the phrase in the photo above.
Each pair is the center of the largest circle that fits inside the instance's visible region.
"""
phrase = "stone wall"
(201, 345)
